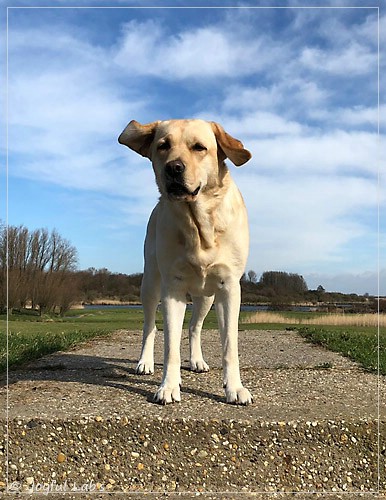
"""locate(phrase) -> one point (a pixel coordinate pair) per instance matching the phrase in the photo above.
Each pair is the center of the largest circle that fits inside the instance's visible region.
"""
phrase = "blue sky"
(298, 86)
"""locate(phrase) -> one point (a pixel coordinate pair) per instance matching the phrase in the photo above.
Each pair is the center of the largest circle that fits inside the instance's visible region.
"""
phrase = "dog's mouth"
(178, 191)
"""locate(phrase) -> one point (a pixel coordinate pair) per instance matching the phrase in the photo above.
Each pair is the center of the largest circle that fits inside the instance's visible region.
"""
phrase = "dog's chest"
(199, 253)
(198, 277)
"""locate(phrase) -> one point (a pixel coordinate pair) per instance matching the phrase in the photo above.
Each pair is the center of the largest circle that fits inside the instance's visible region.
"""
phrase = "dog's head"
(187, 155)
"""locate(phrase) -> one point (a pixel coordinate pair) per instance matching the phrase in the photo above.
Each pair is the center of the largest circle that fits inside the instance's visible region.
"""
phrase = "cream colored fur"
(196, 243)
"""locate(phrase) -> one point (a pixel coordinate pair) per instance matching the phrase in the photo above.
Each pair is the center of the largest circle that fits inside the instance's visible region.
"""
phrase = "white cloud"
(124, 176)
(327, 153)
(147, 49)
(307, 93)
(340, 33)
(241, 98)
(352, 60)
(359, 115)
(63, 114)
(72, 98)
(64, 121)
(356, 116)
(257, 124)
(302, 220)
(290, 96)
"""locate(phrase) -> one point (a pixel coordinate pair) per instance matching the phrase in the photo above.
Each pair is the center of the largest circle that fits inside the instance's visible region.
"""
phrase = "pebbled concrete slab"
(288, 377)
(313, 426)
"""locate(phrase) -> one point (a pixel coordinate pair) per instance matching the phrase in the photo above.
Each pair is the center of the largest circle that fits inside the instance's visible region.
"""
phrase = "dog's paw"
(198, 365)
(239, 396)
(144, 367)
(166, 395)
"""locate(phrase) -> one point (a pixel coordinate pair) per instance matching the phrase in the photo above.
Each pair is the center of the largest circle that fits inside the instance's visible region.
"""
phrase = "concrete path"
(85, 416)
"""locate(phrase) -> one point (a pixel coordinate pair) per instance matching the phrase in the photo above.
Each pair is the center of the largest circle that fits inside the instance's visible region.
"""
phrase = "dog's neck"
(202, 225)
(201, 221)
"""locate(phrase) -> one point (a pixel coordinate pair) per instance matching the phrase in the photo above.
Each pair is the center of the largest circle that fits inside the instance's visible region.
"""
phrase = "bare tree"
(37, 265)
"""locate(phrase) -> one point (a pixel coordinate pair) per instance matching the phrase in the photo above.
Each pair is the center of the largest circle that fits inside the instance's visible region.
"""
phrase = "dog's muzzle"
(178, 191)
(175, 182)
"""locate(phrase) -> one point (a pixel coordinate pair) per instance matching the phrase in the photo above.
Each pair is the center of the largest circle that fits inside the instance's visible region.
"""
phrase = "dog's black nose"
(175, 168)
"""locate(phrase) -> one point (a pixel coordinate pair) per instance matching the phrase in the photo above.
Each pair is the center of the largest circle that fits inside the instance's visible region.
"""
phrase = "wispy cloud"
(149, 49)
(307, 221)
(335, 152)
(352, 60)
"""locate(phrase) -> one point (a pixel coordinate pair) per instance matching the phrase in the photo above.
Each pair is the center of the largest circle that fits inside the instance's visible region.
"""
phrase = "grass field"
(31, 337)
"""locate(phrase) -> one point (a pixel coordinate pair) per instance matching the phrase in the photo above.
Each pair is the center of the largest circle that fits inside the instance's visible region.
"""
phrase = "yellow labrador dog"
(197, 242)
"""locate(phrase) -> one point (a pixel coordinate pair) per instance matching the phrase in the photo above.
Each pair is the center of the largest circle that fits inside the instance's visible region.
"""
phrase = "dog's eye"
(163, 146)
(198, 147)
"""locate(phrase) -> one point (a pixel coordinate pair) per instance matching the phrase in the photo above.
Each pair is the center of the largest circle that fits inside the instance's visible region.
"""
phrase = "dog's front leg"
(227, 309)
(173, 307)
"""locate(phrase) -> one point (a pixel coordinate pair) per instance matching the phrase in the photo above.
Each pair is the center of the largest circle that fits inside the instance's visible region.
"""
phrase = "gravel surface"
(82, 420)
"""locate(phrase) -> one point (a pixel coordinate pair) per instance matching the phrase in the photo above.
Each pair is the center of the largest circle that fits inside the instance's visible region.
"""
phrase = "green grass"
(31, 337)
(357, 343)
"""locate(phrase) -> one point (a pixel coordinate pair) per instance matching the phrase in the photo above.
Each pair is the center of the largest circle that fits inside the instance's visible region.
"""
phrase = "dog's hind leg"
(201, 307)
(150, 295)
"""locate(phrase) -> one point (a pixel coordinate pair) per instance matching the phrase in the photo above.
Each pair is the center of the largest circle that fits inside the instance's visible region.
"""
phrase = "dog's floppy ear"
(138, 137)
(230, 147)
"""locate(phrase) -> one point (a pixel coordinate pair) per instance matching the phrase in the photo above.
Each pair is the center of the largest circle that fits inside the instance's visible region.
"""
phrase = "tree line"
(280, 290)
(101, 284)
(273, 284)
(38, 269)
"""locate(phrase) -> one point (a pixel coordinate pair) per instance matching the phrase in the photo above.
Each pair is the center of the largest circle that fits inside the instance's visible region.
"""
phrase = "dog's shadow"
(118, 373)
